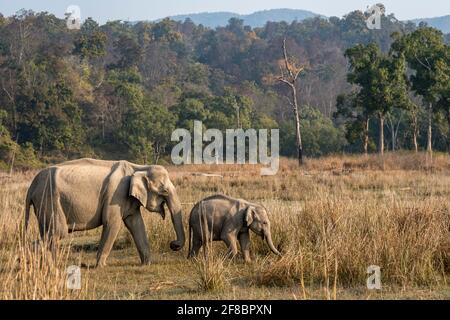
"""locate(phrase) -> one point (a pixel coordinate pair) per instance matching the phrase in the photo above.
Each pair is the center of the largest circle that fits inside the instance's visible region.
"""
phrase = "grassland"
(332, 219)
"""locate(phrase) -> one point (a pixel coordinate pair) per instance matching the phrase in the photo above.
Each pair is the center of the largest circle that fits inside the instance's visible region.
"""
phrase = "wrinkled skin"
(85, 194)
(220, 217)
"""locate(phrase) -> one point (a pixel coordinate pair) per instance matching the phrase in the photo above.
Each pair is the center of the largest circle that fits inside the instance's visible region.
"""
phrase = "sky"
(104, 10)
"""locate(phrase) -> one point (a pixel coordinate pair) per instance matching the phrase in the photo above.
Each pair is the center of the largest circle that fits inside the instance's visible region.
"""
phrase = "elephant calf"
(220, 217)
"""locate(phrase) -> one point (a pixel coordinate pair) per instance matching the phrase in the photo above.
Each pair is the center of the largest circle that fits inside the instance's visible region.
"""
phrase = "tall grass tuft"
(28, 270)
(210, 272)
(331, 219)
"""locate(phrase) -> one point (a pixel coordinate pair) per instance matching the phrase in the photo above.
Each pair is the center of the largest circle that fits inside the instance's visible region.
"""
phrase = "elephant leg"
(196, 245)
(135, 224)
(230, 241)
(52, 226)
(244, 241)
(111, 228)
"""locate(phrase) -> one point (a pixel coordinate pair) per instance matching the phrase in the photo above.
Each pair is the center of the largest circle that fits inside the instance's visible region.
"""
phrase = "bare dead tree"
(415, 130)
(289, 76)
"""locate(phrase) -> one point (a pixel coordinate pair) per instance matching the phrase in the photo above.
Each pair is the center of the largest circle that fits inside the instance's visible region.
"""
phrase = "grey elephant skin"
(85, 194)
(222, 218)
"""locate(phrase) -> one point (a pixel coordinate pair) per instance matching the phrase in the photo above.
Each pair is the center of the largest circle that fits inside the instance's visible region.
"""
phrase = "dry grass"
(331, 219)
(210, 272)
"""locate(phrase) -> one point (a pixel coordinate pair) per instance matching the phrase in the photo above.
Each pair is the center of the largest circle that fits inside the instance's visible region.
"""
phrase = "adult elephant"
(85, 194)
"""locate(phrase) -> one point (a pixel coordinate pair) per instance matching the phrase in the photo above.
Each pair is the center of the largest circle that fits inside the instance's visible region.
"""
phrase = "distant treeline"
(118, 90)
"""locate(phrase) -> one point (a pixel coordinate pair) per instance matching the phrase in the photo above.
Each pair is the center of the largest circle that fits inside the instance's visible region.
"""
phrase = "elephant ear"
(139, 187)
(248, 216)
(163, 212)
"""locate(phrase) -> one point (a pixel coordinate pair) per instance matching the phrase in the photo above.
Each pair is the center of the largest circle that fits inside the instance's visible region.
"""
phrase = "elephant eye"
(164, 191)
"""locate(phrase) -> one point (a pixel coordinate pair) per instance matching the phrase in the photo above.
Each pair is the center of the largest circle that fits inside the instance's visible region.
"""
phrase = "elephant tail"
(190, 236)
(28, 204)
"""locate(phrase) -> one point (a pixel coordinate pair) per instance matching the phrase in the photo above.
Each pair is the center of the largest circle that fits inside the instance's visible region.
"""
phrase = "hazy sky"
(103, 10)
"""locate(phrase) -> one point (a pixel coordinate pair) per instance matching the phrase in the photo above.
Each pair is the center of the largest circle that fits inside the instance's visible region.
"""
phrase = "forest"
(118, 90)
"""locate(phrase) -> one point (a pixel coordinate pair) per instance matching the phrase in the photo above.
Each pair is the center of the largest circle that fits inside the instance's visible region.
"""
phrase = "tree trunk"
(393, 135)
(430, 121)
(238, 117)
(415, 130)
(448, 133)
(297, 126)
(103, 126)
(290, 78)
(381, 137)
(416, 147)
(366, 137)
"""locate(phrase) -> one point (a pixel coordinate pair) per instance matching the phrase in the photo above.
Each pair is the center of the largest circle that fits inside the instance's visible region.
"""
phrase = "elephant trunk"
(177, 219)
(268, 237)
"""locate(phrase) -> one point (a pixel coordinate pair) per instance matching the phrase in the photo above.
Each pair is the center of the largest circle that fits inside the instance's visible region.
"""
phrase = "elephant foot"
(247, 258)
(175, 246)
(101, 263)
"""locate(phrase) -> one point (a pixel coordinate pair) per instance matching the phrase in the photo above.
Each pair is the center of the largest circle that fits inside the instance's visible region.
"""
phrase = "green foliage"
(165, 30)
(23, 156)
(50, 117)
(188, 110)
(380, 77)
(320, 136)
(382, 87)
(3, 129)
(90, 42)
(118, 90)
(147, 131)
(353, 114)
(429, 57)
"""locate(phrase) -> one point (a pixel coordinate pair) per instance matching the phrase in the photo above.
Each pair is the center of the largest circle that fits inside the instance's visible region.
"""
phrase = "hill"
(259, 18)
(256, 19)
(441, 23)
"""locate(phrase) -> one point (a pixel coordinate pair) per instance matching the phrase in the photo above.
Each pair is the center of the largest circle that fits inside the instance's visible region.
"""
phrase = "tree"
(382, 82)
(289, 75)
(413, 115)
(147, 131)
(130, 53)
(115, 90)
(91, 41)
(429, 58)
(356, 117)
(320, 136)
(394, 120)
(165, 30)
(442, 88)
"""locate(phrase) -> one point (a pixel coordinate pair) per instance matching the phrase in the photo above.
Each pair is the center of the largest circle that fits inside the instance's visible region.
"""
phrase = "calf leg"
(244, 241)
(196, 245)
(230, 241)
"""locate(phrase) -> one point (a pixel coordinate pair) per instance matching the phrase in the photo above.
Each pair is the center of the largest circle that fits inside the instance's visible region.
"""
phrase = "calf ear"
(139, 187)
(248, 216)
